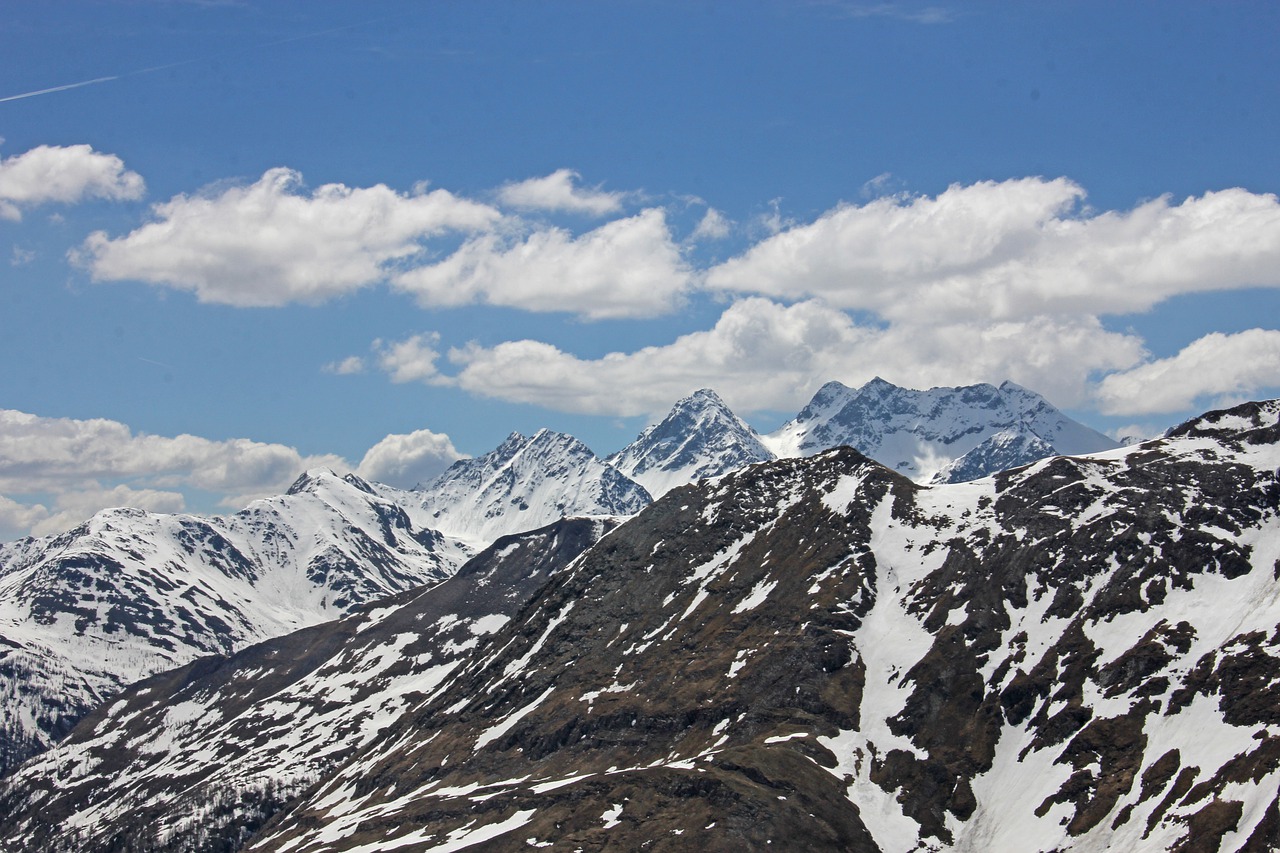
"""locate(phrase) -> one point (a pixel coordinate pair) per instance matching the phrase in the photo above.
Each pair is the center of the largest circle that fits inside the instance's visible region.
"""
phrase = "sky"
(242, 239)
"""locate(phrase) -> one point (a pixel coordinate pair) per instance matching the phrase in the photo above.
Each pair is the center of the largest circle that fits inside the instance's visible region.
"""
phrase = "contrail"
(97, 80)
(185, 62)
(60, 88)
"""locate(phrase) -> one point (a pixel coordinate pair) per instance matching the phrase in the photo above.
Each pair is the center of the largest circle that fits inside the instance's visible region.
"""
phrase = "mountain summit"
(523, 484)
(920, 433)
(699, 438)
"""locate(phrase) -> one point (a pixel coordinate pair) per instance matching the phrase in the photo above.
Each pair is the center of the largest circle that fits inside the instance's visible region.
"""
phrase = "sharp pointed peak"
(310, 479)
(880, 386)
(703, 398)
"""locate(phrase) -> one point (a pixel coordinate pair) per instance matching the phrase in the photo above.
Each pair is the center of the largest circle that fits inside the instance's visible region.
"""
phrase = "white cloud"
(72, 459)
(63, 174)
(1013, 250)
(404, 461)
(712, 226)
(626, 268)
(410, 360)
(270, 244)
(763, 355)
(881, 185)
(557, 192)
(348, 366)
(1223, 368)
(898, 11)
(773, 222)
(18, 519)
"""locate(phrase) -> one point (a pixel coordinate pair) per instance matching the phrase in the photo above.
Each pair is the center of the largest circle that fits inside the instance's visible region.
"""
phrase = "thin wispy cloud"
(897, 11)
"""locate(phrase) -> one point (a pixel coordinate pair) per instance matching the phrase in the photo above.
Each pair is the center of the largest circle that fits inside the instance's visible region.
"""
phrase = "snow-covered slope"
(523, 484)
(209, 750)
(130, 593)
(1006, 449)
(918, 433)
(1079, 655)
(699, 438)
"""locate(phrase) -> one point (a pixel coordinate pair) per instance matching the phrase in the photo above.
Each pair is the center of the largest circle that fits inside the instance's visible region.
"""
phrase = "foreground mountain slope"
(131, 593)
(918, 433)
(833, 658)
(1079, 655)
(699, 438)
(208, 750)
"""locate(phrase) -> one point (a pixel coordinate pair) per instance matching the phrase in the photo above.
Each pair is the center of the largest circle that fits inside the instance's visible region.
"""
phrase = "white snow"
(505, 725)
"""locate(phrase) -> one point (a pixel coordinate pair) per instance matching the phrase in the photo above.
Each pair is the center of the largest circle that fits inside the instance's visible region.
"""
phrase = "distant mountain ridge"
(919, 433)
(523, 484)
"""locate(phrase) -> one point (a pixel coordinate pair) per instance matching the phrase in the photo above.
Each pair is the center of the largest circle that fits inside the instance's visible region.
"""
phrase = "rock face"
(818, 654)
(698, 439)
(919, 433)
(130, 593)
(523, 484)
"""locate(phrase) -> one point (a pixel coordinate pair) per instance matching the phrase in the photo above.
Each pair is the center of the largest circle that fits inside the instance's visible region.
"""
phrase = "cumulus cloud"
(270, 243)
(404, 461)
(712, 226)
(629, 267)
(1014, 249)
(72, 459)
(410, 360)
(1222, 368)
(559, 192)
(19, 519)
(763, 355)
(63, 174)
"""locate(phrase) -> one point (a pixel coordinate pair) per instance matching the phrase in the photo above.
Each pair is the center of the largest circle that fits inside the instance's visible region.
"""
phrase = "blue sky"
(250, 237)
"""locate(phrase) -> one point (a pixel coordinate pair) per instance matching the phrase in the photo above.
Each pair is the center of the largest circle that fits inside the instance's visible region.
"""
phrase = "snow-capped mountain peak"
(700, 438)
(920, 433)
(526, 483)
(130, 593)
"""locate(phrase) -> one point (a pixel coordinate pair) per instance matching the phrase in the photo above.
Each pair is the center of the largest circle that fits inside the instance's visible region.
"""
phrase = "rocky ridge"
(919, 433)
(523, 484)
(700, 438)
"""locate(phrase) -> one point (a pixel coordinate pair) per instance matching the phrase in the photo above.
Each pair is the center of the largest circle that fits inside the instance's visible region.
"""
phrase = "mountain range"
(131, 593)
(807, 654)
